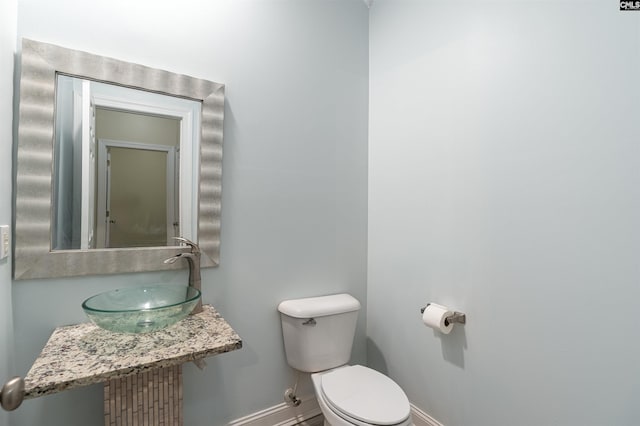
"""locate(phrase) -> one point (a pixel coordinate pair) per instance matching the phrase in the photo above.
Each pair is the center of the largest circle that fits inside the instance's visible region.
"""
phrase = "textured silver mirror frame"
(33, 257)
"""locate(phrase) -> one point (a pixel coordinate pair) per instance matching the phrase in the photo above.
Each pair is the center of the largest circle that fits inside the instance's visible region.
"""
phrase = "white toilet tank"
(318, 331)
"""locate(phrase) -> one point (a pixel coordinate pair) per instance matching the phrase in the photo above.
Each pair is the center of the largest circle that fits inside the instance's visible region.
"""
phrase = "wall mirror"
(113, 160)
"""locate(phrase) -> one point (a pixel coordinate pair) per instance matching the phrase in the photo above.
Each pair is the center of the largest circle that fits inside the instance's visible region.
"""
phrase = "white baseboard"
(308, 414)
(285, 415)
(420, 418)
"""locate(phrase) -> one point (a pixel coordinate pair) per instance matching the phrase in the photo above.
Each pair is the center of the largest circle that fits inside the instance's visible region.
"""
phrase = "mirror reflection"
(57, 230)
(124, 162)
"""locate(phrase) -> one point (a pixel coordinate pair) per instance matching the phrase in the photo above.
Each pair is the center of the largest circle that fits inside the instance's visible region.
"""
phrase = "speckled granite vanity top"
(83, 354)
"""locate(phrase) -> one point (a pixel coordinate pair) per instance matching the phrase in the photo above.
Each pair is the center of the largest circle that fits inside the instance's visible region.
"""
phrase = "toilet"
(318, 335)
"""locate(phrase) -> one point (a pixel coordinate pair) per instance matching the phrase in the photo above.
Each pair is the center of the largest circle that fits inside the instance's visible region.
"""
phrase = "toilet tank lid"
(319, 306)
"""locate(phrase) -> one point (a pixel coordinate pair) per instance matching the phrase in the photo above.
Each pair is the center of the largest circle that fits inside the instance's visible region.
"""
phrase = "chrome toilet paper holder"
(455, 318)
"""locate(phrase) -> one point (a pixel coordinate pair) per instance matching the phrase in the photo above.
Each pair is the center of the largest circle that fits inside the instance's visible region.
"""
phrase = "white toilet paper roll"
(434, 316)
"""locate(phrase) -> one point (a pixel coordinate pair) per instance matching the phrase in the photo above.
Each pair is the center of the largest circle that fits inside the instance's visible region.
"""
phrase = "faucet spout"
(193, 259)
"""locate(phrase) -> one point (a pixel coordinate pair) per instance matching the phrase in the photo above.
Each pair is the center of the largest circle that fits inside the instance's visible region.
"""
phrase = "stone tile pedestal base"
(151, 398)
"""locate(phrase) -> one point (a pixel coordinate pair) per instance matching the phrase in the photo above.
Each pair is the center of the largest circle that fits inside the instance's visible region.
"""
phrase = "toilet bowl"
(318, 336)
(357, 395)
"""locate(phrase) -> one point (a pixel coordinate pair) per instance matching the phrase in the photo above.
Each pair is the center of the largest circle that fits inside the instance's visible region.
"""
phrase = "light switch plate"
(5, 241)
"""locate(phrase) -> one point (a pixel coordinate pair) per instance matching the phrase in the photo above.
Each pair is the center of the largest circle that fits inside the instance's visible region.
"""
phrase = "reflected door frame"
(103, 221)
(188, 154)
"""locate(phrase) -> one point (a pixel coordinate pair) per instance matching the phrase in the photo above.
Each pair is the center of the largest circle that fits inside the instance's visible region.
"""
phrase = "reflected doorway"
(136, 194)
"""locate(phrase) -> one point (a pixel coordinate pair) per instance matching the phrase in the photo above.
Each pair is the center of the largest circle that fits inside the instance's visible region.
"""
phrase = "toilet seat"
(362, 395)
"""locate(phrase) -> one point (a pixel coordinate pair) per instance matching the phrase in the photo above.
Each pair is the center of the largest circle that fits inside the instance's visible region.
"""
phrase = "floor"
(313, 421)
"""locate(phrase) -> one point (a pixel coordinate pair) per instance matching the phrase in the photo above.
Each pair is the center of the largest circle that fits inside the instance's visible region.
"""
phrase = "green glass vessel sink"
(141, 309)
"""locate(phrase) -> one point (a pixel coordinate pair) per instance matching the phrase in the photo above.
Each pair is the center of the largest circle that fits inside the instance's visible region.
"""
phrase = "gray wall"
(503, 182)
(8, 21)
(294, 198)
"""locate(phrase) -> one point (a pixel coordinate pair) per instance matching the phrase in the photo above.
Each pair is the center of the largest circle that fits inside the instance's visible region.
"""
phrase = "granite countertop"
(83, 354)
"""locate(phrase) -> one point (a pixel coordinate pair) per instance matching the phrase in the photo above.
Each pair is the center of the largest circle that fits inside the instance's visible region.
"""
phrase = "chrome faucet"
(194, 268)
